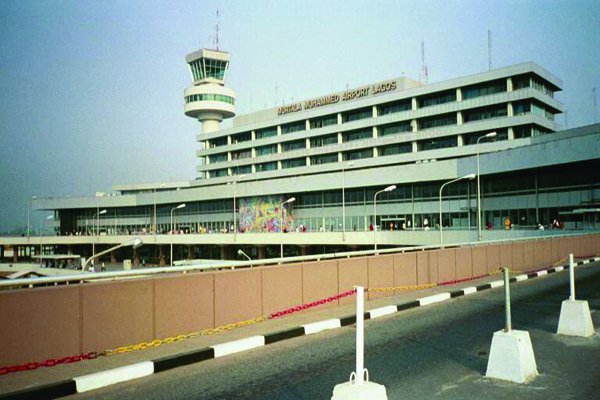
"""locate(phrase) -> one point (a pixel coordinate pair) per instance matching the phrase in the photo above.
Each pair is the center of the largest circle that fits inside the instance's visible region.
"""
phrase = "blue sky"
(91, 92)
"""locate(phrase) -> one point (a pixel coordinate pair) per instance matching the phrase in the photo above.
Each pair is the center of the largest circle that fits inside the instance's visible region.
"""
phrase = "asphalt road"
(439, 351)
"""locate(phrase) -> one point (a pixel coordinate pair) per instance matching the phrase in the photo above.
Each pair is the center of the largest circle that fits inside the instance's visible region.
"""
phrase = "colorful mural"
(262, 214)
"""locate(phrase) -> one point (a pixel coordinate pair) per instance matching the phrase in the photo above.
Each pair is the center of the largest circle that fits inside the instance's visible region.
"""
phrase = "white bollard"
(359, 389)
(575, 318)
(511, 354)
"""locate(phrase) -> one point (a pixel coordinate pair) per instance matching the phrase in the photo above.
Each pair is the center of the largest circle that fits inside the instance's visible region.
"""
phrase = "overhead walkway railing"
(108, 276)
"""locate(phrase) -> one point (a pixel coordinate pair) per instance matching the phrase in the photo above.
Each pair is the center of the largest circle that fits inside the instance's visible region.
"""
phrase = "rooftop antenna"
(489, 50)
(216, 42)
(595, 107)
(424, 75)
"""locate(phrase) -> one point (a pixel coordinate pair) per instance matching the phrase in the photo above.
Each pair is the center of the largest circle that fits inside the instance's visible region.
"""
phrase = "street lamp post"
(234, 206)
(135, 243)
(182, 205)
(28, 212)
(162, 185)
(344, 201)
(479, 234)
(42, 233)
(290, 200)
(97, 218)
(470, 176)
(387, 189)
(241, 253)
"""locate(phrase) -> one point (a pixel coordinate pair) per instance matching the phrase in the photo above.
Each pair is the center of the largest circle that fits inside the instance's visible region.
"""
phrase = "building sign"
(336, 98)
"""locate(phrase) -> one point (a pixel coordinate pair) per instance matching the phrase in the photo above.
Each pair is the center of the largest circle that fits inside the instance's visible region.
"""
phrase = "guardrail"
(104, 276)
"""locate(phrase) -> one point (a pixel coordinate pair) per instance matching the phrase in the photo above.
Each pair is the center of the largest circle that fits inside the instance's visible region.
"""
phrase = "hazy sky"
(91, 92)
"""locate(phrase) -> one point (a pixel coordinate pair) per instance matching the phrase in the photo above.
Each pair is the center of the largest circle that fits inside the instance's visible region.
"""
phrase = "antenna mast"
(489, 50)
(424, 77)
(216, 43)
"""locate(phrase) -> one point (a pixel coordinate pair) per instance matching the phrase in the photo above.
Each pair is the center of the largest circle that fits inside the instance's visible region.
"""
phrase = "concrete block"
(364, 391)
(575, 319)
(511, 357)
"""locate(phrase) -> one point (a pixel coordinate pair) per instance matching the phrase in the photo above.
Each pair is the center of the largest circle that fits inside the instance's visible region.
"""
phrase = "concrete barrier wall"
(54, 322)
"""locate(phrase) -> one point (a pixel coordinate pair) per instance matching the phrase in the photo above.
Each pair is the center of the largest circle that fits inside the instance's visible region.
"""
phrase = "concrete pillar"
(511, 133)
(15, 254)
(339, 118)
(113, 258)
(459, 94)
(190, 251)
(415, 146)
(461, 140)
(459, 118)
(307, 127)
(136, 258)
(509, 84)
(413, 103)
(414, 125)
(304, 250)
(223, 252)
(375, 133)
(374, 111)
(278, 130)
(262, 252)
(510, 112)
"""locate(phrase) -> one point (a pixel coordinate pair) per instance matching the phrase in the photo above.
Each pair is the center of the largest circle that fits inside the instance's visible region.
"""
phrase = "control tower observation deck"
(208, 100)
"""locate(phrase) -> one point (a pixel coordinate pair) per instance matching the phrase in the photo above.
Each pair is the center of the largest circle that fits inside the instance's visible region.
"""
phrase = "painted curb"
(105, 378)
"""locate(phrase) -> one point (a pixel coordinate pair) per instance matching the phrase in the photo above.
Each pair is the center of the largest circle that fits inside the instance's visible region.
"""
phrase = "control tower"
(208, 100)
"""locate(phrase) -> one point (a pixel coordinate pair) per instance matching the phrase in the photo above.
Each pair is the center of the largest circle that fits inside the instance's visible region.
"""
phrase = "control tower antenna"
(216, 42)
(489, 50)
(424, 74)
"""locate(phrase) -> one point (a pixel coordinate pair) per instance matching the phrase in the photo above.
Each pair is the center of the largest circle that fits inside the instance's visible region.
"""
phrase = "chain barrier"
(160, 342)
(401, 288)
(306, 306)
(49, 363)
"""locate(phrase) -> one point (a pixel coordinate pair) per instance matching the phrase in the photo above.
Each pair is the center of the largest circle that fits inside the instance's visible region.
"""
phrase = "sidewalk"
(272, 330)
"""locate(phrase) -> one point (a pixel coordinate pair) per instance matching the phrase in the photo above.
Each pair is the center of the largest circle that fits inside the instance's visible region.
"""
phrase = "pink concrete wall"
(464, 262)
(320, 280)
(66, 320)
(282, 287)
(381, 274)
(492, 258)
(352, 272)
(183, 304)
(478, 254)
(405, 269)
(446, 263)
(238, 295)
(38, 324)
(117, 314)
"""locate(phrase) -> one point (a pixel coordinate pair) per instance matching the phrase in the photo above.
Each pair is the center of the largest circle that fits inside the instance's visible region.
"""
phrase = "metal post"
(572, 276)
(479, 233)
(360, 336)
(508, 326)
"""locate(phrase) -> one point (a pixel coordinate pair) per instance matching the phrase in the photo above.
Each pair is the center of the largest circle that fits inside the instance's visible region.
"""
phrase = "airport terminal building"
(316, 167)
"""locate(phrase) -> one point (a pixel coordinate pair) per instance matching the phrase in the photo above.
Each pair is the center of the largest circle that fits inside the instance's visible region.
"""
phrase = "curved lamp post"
(470, 176)
(97, 233)
(241, 253)
(290, 200)
(182, 205)
(28, 212)
(135, 243)
(479, 234)
(51, 216)
(387, 189)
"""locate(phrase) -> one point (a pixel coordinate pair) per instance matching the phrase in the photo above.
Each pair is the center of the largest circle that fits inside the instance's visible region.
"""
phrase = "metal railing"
(108, 276)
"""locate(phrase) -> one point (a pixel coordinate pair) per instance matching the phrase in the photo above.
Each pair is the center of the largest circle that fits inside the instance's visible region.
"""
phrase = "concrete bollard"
(359, 388)
(575, 318)
(511, 354)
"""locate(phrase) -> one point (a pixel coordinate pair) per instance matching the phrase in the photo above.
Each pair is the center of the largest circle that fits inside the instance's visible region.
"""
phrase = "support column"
(15, 254)
(113, 258)
(136, 258)
(304, 250)
(262, 252)
(162, 261)
(223, 252)
(190, 251)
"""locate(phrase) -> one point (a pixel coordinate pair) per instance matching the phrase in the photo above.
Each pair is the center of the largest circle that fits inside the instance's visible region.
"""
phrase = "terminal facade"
(316, 165)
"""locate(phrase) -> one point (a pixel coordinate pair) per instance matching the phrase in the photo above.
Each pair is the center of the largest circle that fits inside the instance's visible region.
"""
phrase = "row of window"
(209, 97)
(208, 68)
